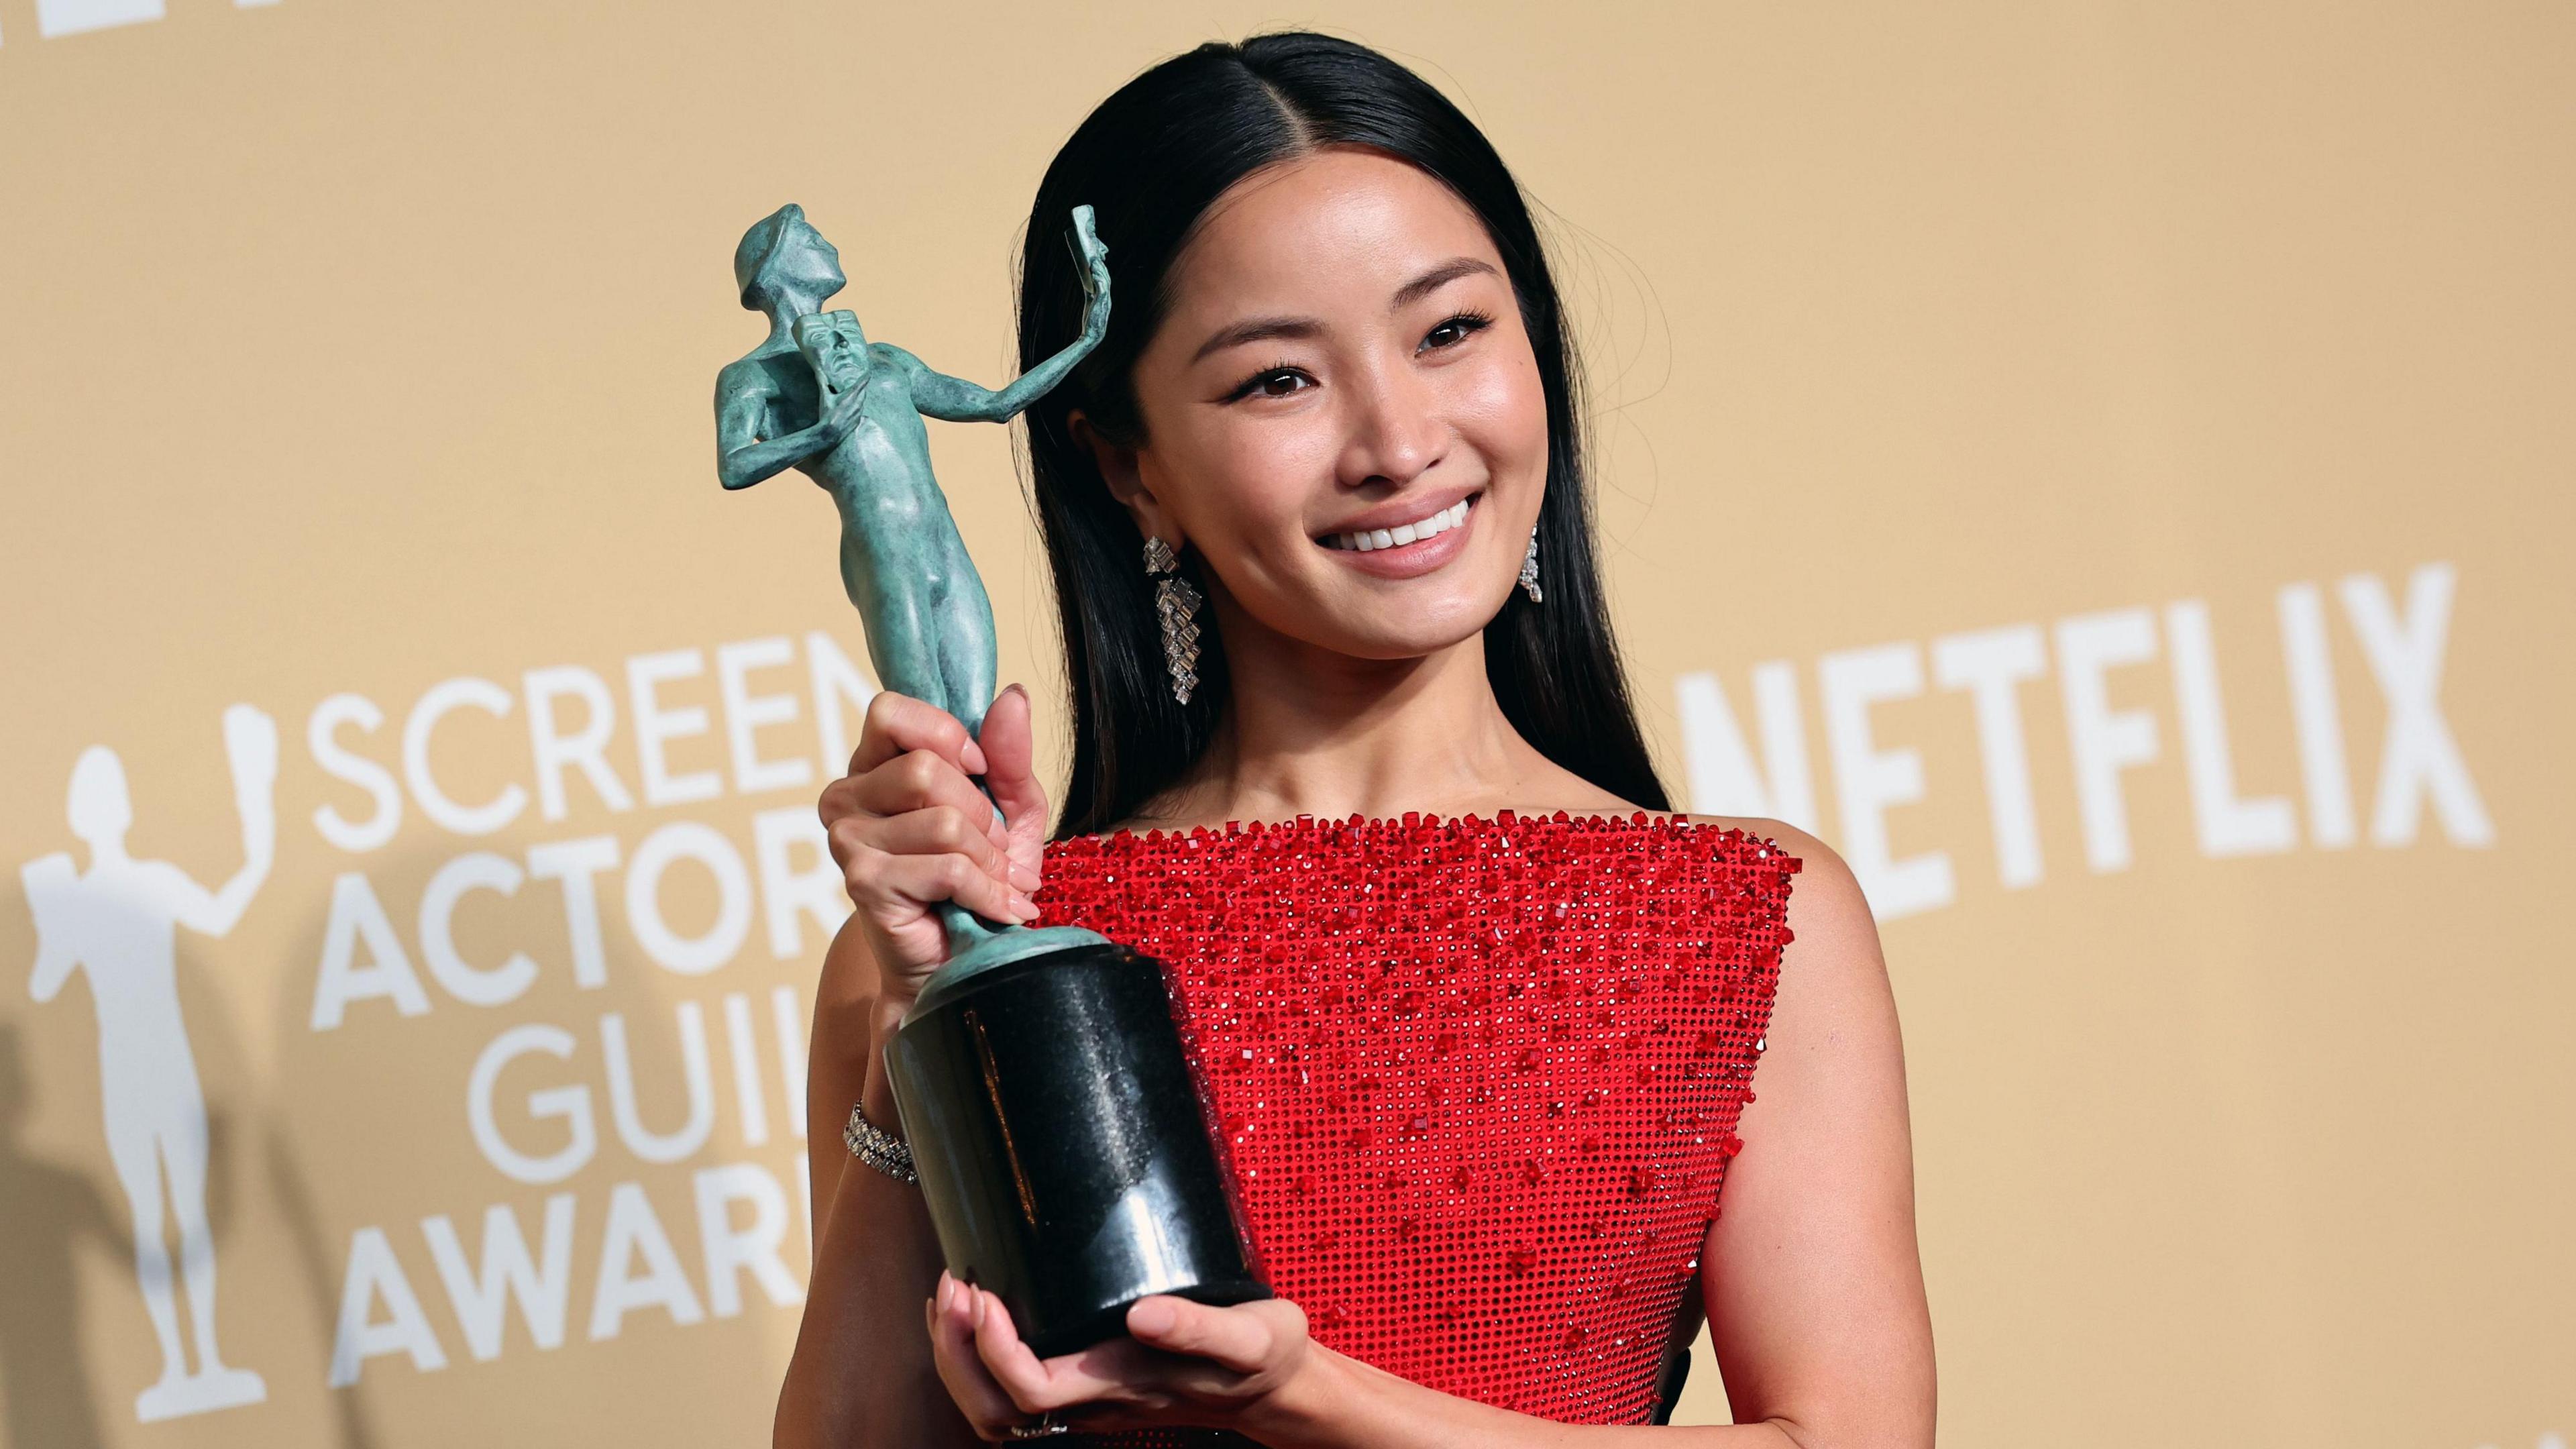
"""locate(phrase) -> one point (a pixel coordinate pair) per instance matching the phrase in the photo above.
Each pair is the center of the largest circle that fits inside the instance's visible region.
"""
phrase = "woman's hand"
(1183, 1364)
(910, 830)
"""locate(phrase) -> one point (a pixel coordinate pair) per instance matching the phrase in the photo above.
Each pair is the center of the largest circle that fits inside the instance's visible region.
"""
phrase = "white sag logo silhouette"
(119, 922)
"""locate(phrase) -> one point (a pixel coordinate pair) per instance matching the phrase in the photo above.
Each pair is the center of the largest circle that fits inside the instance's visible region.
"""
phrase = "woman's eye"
(1277, 382)
(1454, 331)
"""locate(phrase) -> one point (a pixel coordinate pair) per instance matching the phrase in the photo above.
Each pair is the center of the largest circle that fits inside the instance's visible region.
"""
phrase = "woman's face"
(1342, 411)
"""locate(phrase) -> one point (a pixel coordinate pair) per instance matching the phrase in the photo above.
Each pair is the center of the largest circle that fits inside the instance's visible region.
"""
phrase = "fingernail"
(979, 1307)
(1023, 878)
(1020, 690)
(947, 1289)
(973, 755)
(1151, 1318)
(1027, 908)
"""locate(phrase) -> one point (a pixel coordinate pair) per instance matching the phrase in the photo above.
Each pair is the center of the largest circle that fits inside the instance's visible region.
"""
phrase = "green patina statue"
(819, 397)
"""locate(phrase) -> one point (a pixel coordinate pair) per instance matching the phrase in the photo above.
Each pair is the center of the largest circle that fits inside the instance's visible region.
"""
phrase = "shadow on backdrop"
(49, 1210)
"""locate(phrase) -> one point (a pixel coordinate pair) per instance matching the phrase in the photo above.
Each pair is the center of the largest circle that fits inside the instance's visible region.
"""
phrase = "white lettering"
(689, 956)
(587, 750)
(575, 863)
(746, 712)
(471, 984)
(358, 770)
(729, 1250)
(656, 727)
(1723, 780)
(357, 915)
(2228, 825)
(1991, 666)
(375, 1273)
(818, 889)
(836, 682)
(750, 1104)
(482, 1297)
(1868, 780)
(2417, 757)
(633, 1229)
(72, 17)
(644, 1143)
(443, 697)
(2313, 713)
(2104, 741)
(571, 1103)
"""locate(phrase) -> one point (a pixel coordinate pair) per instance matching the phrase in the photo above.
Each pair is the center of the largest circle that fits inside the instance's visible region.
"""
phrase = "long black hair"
(1151, 159)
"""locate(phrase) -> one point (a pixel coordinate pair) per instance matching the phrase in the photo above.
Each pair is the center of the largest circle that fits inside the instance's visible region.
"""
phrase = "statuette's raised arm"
(955, 400)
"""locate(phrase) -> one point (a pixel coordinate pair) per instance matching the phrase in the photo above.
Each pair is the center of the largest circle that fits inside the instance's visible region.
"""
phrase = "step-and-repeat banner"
(2105, 467)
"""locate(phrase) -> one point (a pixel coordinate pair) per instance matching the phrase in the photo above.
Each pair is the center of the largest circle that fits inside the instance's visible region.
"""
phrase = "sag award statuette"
(1064, 1154)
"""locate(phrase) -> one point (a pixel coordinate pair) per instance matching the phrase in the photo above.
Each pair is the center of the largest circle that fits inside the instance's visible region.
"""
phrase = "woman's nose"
(1396, 431)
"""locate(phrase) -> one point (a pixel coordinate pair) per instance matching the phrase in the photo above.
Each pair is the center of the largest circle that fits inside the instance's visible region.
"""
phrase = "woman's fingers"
(1010, 747)
(921, 780)
(939, 830)
(896, 887)
(1247, 1339)
(898, 724)
(1035, 1385)
(1175, 1353)
(952, 1345)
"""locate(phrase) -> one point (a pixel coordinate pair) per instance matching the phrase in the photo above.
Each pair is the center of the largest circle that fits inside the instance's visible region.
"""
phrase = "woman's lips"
(1409, 560)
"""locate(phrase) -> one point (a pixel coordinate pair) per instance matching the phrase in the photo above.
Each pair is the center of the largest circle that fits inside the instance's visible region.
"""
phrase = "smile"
(1371, 539)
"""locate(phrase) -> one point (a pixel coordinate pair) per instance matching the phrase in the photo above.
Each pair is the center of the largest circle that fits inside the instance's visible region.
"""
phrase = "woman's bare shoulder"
(1820, 871)
(1828, 916)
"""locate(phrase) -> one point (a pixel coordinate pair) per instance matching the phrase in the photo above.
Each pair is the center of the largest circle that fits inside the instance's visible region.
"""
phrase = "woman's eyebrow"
(1257, 329)
(1437, 278)
(1263, 329)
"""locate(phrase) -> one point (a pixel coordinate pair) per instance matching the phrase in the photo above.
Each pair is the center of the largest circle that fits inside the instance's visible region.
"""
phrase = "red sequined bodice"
(1478, 1079)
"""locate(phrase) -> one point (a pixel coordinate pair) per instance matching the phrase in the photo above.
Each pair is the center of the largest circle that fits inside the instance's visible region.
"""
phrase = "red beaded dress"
(1478, 1079)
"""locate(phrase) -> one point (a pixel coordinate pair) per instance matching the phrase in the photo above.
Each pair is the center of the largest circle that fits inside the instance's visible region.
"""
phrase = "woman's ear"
(1126, 480)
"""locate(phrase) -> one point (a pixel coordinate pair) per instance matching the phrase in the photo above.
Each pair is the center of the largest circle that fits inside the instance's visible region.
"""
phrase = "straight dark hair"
(1152, 159)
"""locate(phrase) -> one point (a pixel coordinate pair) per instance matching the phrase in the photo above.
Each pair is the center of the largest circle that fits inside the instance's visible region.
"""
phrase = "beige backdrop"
(2106, 466)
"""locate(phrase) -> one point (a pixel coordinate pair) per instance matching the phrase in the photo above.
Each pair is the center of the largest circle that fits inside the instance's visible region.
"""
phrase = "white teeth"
(1421, 528)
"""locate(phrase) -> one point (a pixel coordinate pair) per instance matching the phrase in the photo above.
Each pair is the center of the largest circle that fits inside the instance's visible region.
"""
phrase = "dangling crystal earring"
(1178, 604)
(1529, 569)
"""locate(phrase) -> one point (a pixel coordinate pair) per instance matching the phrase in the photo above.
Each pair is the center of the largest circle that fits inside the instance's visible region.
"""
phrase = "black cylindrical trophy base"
(1063, 1151)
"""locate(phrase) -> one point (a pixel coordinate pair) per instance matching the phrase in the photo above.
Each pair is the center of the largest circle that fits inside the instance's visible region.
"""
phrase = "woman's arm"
(1811, 1278)
(1813, 1283)
(862, 1373)
(909, 830)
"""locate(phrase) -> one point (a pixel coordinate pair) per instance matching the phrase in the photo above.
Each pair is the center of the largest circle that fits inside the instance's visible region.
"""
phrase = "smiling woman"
(1334, 286)
(1481, 1042)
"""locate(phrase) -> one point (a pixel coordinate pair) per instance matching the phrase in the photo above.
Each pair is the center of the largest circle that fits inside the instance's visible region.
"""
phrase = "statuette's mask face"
(1343, 418)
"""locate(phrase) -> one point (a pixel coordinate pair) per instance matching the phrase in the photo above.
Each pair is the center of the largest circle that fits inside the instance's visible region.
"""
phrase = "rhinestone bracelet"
(878, 1148)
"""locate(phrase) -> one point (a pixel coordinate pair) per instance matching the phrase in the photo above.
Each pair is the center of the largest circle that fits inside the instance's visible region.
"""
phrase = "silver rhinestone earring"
(1529, 570)
(1178, 604)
